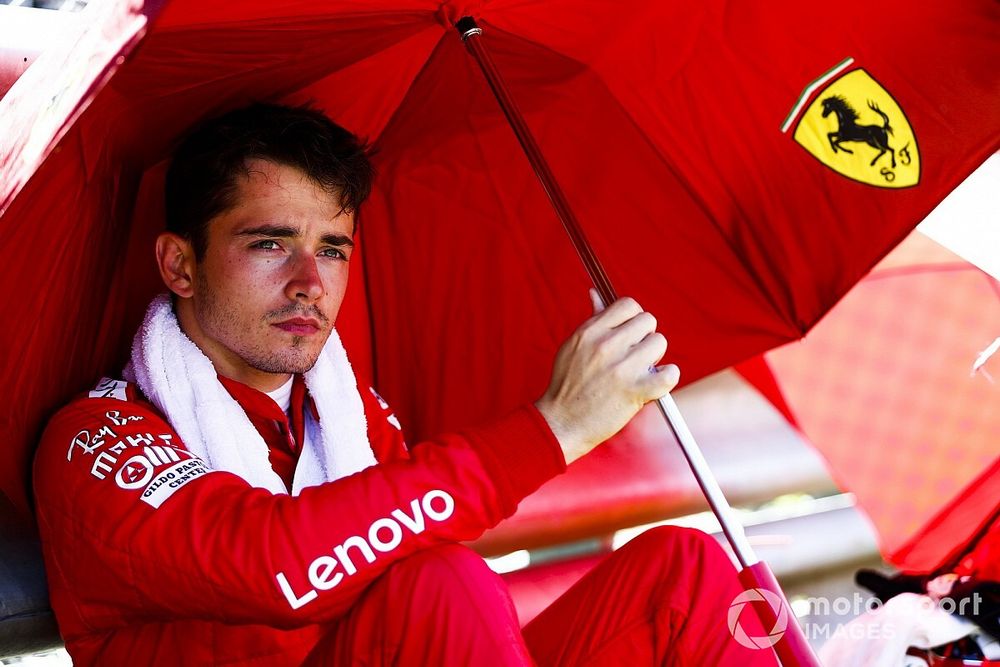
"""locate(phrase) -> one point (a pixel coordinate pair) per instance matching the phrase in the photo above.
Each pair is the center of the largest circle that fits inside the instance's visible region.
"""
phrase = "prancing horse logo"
(849, 130)
(850, 124)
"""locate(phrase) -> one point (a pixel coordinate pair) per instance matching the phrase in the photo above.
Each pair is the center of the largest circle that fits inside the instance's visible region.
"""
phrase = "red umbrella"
(698, 171)
(884, 387)
(674, 160)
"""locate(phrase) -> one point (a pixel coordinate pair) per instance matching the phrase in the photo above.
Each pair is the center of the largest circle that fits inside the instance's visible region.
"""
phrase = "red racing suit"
(152, 558)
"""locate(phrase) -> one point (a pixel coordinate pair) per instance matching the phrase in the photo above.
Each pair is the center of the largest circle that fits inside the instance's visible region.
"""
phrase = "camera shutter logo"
(751, 595)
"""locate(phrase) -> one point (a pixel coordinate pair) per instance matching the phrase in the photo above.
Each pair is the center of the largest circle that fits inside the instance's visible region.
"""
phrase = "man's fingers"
(661, 381)
(595, 300)
(634, 330)
(603, 374)
(647, 353)
(617, 313)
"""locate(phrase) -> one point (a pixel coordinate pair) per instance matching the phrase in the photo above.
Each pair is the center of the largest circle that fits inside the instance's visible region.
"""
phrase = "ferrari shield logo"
(855, 127)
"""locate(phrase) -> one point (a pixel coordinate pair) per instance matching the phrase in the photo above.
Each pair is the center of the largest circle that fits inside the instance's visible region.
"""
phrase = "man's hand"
(601, 376)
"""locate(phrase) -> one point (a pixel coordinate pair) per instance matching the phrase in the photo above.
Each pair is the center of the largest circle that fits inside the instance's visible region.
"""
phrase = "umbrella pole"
(784, 633)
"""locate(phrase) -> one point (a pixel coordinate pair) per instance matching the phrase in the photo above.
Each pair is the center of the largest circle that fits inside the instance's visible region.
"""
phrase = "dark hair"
(201, 179)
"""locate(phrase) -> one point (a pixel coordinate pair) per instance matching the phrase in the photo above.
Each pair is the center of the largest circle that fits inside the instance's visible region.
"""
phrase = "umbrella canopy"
(883, 387)
(689, 138)
(957, 529)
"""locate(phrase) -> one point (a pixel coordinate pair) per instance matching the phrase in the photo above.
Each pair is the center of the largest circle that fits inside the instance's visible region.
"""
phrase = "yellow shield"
(855, 127)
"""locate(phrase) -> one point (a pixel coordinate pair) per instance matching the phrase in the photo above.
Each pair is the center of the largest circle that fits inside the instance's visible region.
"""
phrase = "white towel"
(180, 380)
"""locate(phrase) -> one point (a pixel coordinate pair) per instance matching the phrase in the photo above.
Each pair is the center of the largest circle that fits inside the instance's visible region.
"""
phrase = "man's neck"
(283, 395)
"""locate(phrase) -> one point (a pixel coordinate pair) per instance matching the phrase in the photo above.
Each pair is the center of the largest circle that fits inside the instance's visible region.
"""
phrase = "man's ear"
(175, 259)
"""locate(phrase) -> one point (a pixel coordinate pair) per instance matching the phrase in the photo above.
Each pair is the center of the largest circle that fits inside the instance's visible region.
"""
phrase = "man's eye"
(265, 244)
(333, 252)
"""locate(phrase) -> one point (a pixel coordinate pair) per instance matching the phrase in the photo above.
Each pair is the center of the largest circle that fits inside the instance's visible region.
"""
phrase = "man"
(240, 501)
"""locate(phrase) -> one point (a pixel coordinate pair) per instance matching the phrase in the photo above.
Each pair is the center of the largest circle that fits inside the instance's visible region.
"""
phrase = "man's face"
(268, 289)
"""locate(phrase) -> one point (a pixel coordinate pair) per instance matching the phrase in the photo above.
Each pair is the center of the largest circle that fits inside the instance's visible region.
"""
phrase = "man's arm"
(126, 542)
(135, 529)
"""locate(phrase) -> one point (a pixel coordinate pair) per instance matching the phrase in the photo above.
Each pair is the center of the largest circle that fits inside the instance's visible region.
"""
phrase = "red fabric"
(283, 442)
(662, 599)
(197, 580)
(983, 560)
(284, 437)
(534, 588)
(297, 415)
(882, 387)
(725, 228)
(954, 530)
(442, 606)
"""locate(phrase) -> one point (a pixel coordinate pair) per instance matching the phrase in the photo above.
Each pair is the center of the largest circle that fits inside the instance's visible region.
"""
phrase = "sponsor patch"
(118, 419)
(105, 461)
(165, 483)
(134, 473)
(146, 471)
(109, 388)
(89, 443)
(384, 535)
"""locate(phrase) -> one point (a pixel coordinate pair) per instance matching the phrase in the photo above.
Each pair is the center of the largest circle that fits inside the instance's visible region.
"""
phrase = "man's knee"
(449, 570)
(678, 566)
(667, 543)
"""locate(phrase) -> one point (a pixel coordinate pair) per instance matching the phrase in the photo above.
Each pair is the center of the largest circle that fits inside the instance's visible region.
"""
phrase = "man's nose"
(306, 281)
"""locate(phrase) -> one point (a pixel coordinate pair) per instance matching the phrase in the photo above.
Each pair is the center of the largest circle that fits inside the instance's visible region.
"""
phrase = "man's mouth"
(299, 326)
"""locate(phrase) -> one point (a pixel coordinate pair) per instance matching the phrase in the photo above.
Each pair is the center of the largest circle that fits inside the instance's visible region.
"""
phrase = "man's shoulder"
(108, 410)
(115, 389)
(108, 399)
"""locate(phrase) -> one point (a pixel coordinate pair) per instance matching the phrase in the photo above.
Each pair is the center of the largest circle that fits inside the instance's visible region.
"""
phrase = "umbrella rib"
(794, 329)
(420, 73)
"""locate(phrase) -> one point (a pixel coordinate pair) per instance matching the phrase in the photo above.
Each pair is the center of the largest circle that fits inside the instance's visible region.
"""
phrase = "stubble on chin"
(221, 321)
(297, 356)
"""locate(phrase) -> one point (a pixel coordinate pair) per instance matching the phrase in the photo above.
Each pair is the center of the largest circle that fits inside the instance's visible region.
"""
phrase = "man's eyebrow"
(277, 231)
(285, 232)
(338, 239)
